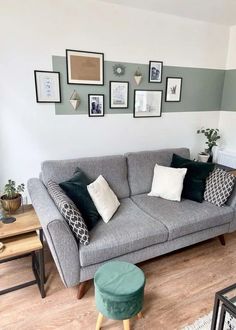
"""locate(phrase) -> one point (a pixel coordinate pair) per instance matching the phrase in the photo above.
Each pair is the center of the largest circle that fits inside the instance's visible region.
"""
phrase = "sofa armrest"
(232, 200)
(62, 243)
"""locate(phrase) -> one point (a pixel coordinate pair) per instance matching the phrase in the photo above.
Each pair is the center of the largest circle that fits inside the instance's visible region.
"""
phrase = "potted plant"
(212, 135)
(138, 76)
(11, 199)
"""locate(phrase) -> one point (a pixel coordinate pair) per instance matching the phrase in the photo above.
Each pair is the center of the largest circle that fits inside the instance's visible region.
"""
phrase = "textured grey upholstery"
(113, 168)
(60, 239)
(130, 229)
(185, 217)
(158, 249)
(141, 165)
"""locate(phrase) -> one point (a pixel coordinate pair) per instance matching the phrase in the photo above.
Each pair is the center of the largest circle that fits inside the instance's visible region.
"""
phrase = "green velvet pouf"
(119, 290)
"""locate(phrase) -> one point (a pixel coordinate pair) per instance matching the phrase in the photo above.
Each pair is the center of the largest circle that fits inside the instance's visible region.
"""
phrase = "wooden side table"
(20, 239)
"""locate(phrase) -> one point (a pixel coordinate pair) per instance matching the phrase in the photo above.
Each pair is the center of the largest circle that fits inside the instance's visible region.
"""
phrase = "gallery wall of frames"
(83, 83)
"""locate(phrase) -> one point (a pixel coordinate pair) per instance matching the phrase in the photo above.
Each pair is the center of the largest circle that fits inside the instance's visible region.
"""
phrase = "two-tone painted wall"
(32, 31)
(227, 120)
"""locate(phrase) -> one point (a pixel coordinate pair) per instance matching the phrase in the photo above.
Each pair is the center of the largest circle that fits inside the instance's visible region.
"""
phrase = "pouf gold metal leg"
(140, 315)
(99, 321)
(126, 324)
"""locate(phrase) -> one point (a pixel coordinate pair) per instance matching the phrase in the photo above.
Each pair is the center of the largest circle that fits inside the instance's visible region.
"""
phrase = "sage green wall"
(201, 89)
(229, 91)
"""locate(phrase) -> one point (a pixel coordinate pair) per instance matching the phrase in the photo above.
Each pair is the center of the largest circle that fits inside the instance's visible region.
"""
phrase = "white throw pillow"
(103, 197)
(168, 182)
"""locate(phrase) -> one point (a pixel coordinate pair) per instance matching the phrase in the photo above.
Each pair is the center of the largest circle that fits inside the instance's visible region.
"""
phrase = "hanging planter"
(75, 100)
(138, 77)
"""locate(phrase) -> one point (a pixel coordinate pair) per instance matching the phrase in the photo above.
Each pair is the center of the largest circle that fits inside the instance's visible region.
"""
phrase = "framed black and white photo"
(155, 71)
(96, 105)
(84, 68)
(119, 94)
(147, 103)
(173, 89)
(47, 86)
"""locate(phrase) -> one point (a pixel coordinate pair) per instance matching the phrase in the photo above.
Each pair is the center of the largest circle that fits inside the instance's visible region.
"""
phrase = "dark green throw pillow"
(195, 178)
(76, 190)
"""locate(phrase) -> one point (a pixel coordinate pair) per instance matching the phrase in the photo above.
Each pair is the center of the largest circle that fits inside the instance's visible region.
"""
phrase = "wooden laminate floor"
(180, 288)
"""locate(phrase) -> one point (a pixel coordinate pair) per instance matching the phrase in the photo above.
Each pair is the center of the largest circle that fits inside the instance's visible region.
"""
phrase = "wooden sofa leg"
(222, 239)
(82, 289)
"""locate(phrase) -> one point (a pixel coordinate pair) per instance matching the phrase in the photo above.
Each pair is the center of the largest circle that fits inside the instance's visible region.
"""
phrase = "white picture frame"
(119, 94)
(47, 86)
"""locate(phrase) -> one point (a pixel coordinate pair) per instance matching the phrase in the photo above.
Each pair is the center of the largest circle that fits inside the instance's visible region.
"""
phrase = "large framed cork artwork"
(84, 68)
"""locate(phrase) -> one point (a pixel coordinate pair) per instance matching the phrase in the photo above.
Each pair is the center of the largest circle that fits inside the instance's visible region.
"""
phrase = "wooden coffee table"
(20, 240)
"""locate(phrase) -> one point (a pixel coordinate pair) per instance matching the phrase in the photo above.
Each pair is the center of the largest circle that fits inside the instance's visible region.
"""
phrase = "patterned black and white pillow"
(69, 211)
(219, 187)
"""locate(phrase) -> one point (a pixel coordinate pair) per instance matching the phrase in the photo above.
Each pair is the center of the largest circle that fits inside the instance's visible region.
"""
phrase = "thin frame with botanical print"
(175, 89)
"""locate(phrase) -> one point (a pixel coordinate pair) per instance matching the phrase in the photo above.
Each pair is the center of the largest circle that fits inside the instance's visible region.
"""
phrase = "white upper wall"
(231, 59)
(32, 31)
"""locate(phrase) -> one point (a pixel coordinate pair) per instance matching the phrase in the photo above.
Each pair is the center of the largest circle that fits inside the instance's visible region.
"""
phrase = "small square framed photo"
(96, 105)
(147, 103)
(84, 68)
(173, 89)
(119, 94)
(47, 86)
(155, 71)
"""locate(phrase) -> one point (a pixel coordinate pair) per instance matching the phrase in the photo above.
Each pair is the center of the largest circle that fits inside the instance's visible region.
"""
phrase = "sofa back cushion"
(141, 165)
(112, 168)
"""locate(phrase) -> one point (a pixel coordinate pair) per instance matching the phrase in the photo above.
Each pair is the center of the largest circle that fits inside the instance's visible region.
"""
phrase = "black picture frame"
(84, 82)
(150, 78)
(147, 90)
(38, 89)
(180, 89)
(89, 105)
(126, 106)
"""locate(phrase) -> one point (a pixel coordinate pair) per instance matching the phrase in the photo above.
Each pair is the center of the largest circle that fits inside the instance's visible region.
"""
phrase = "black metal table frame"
(225, 307)
(38, 268)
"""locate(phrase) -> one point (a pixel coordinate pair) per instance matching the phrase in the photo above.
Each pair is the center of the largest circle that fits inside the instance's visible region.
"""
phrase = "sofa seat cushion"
(130, 229)
(185, 217)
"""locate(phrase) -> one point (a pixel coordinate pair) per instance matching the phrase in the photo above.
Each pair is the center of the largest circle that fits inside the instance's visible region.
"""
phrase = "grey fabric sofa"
(142, 228)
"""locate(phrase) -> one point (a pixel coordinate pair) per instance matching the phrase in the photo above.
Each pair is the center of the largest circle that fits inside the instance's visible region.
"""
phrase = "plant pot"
(11, 205)
(203, 158)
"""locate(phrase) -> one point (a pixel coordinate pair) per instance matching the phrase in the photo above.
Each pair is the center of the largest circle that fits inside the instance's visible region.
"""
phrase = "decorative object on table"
(219, 186)
(118, 69)
(47, 86)
(86, 68)
(212, 135)
(1, 247)
(96, 105)
(173, 89)
(11, 199)
(75, 100)
(224, 311)
(119, 94)
(203, 157)
(138, 76)
(119, 292)
(147, 103)
(155, 71)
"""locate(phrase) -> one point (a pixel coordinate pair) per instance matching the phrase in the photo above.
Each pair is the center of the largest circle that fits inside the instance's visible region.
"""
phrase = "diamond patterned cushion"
(69, 211)
(219, 186)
